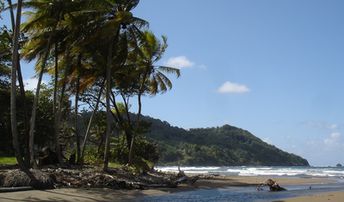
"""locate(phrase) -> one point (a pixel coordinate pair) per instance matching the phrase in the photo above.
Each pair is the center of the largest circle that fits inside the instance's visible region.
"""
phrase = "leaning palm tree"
(15, 62)
(14, 129)
(21, 84)
(44, 29)
(150, 79)
(113, 19)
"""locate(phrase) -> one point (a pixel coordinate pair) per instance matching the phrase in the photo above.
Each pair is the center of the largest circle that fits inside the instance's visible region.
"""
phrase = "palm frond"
(170, 70)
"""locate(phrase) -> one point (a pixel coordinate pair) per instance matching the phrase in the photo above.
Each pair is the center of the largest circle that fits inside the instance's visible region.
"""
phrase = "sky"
(272, 67)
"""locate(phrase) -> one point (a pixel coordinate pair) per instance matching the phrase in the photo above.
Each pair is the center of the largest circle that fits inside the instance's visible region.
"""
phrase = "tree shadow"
(74, 195)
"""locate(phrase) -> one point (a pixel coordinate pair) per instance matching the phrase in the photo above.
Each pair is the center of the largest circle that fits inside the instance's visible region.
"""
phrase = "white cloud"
(321, 125)
(179, 62)
(335, 135)
(333, 126)
(333, 139)
(31, 84)
(230, 87)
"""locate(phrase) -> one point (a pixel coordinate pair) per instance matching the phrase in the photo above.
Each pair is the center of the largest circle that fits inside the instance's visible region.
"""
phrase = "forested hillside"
(221, 146)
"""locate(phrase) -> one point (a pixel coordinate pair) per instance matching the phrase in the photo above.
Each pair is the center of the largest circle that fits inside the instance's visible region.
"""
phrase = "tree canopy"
(83, 45)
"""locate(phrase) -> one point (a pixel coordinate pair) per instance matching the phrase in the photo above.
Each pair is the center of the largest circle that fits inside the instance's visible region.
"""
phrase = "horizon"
(273, 68)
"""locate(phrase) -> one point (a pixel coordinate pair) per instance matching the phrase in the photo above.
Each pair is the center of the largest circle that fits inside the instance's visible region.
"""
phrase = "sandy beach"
(327, 196)
(100, 195)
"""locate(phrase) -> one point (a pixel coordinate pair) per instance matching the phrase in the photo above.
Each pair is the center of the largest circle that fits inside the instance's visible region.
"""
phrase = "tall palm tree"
(151, 79)
(13, 109)
(114, 17)
(21, 85)
(44, 29)
(15, 62)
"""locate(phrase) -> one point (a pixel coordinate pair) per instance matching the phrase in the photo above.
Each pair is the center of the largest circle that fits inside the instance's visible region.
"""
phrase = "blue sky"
(272, 67)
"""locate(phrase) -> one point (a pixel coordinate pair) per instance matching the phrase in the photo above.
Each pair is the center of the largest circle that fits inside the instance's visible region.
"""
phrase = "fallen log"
(273, 186)
(186, 179)
(13, 189)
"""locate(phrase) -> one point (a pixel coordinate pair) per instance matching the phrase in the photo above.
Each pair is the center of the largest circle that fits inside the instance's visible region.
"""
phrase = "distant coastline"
(215, 146)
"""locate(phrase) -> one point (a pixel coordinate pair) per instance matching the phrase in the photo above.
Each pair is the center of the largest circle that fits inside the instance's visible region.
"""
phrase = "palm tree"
(114, 17)
(13, 109)
(90, 121)
(151, 79)
(44, 29)
(15, 62)
(21, 85)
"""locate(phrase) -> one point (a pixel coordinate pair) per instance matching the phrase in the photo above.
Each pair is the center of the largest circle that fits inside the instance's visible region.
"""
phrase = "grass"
(114, 165)
(13, 161)
(8, 160)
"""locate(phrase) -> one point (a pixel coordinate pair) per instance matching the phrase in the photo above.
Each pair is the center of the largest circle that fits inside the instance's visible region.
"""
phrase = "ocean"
(249, 193)
(296, 171)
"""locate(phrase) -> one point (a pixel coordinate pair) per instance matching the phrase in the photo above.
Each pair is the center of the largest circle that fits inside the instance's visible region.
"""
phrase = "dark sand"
(100, 195)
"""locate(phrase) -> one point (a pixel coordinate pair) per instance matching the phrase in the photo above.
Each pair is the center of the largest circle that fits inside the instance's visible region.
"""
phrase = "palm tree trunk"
(22, 92)
(129, 131)
(13, 109)
(57, 125)
(26, 115)
(10, 5)
(138, 117)
(15, 59)
(90, 122)
(59, 110)
(56, 74)
(121, 122)
(137, 126)
(77, 135)
(35, 104)
(108, 108)
(101, 141)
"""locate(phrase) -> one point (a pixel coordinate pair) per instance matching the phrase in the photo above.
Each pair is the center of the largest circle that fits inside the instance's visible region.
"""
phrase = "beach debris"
(182, 178)
(273, 185)
(47, 157)
(89, 176)
(186, 179)
(180, 172)
(18, 178)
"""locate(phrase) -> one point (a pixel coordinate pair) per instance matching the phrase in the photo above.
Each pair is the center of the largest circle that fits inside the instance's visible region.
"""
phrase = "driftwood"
(18, 178)
(273, 186)
(13, 189)
(90, 177)
(182, 178)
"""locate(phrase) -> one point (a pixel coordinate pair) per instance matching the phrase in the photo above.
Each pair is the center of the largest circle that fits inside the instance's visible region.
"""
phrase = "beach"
(217, 185)
(327, 196)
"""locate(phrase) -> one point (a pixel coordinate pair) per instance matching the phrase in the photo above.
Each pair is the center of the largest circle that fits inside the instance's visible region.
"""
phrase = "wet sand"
(100, 195)
(223, 181)
(321, 197)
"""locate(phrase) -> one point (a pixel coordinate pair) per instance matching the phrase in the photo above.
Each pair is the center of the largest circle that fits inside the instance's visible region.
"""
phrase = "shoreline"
(204, 183)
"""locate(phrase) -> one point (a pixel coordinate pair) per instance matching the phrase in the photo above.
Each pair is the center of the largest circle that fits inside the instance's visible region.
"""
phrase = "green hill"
(217, 146)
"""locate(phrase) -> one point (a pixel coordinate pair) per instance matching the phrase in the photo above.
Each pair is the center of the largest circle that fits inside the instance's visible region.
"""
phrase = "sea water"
(249, 193)
(297, 171)
(240, 194)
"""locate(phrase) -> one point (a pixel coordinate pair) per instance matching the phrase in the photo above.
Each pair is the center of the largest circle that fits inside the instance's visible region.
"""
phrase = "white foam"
(261, 171)
(192, 169)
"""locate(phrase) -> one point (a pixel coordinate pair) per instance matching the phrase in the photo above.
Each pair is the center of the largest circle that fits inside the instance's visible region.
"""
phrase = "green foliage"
(45, 120)
(5, 56)
(8, 161)
(80, 43)
(92, 156)
(222, 146)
